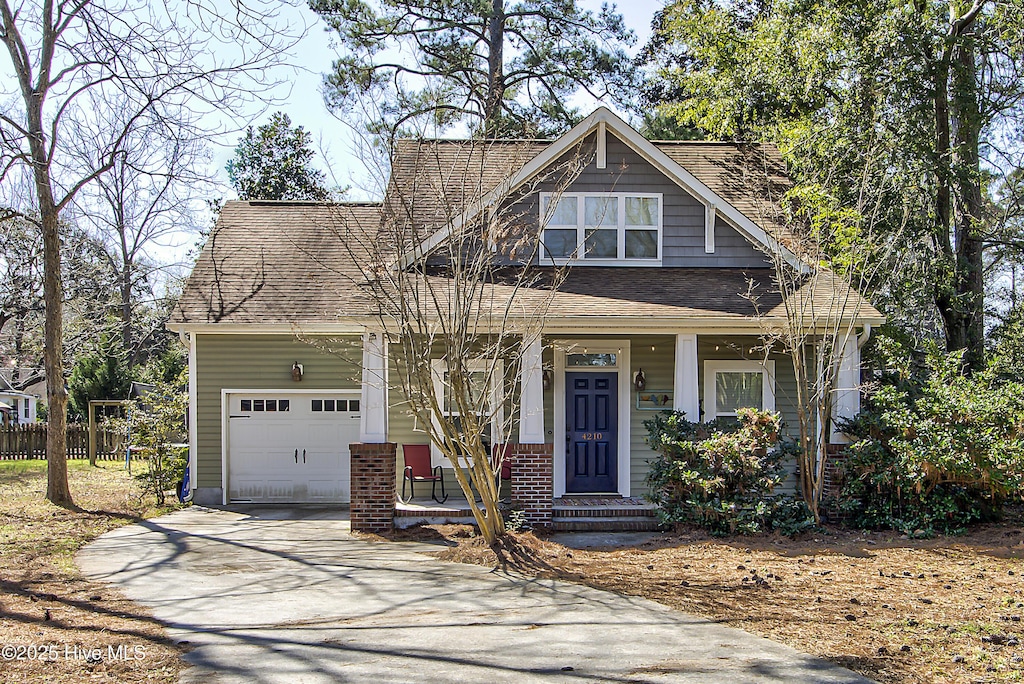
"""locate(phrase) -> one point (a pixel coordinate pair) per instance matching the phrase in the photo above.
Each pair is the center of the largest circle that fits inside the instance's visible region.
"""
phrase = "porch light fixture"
(297, 372)
(639, 380)
(547, 378)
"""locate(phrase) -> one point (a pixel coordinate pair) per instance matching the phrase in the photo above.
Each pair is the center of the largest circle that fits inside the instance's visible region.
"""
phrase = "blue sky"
(334, 139)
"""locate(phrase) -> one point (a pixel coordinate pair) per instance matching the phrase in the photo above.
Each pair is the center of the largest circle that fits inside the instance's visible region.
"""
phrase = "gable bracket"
(710, 212)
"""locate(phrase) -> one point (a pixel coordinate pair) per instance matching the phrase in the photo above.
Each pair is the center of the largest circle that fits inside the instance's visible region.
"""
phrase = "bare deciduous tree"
(815, 322)
(145, 201)
(459, 314)
(156, 60)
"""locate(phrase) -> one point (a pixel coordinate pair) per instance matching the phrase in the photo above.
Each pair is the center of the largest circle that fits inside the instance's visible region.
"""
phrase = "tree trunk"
(959, 285)
(495, 68)
(57, 489)
(126, 313)
(969, 265)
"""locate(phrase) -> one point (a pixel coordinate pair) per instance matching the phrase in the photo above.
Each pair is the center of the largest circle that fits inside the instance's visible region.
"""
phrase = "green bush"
(722, 475)
(154, 424)
(935, 454)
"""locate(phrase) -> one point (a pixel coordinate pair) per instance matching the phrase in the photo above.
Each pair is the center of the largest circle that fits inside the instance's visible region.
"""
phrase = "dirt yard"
(54, 625)
(893, 609)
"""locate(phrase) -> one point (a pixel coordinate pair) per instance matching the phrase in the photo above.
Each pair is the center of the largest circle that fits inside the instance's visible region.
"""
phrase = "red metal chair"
(417, 469)
(502, 458)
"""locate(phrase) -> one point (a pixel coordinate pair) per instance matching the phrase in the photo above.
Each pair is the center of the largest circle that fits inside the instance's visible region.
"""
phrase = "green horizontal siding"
(251, 362)
(658, 365)
(264, 362)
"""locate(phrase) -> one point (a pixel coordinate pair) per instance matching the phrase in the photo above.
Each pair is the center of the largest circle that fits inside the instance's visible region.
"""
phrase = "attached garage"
(288, 447)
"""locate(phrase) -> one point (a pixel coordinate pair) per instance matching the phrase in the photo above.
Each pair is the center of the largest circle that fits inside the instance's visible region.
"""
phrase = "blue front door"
(591, 423)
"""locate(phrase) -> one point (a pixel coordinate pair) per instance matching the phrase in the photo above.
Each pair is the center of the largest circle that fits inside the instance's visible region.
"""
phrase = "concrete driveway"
(291, 596)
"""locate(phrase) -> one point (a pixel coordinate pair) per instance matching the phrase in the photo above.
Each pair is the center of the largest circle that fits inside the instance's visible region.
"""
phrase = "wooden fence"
(19, 442)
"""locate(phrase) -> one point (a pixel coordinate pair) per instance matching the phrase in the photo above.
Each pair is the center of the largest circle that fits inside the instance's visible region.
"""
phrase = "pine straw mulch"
(891, 608)
(46, 604)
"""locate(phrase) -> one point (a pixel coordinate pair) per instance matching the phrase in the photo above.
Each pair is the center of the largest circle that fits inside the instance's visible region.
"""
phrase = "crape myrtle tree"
(507, 69)
(274, 162)
(931, 89)
(819, 304)
(156, 60)
(459, 314)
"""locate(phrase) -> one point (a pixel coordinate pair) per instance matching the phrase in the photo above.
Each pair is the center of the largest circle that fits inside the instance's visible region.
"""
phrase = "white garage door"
(290, 447)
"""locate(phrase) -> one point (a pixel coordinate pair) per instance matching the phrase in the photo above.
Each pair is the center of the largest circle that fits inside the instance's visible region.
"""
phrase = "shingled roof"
(301, 263)
(289, 263)
(281, 262)
(434, 181)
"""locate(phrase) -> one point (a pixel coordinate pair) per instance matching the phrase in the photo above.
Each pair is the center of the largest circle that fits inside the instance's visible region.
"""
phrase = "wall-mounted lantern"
(547, 378)
(297, 372)
(640, 380)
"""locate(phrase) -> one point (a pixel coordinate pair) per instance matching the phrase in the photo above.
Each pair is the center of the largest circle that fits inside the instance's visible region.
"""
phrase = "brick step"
(629, 523)
(605, 511)
(402, 522)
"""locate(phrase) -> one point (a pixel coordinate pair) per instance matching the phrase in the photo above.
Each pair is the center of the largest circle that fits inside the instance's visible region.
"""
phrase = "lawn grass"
(47, 608)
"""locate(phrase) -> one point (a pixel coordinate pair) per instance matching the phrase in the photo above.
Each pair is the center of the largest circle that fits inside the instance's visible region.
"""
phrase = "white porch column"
(686, 396)
(193, 413)
(373, 420)
(531, 403)
(847, 388)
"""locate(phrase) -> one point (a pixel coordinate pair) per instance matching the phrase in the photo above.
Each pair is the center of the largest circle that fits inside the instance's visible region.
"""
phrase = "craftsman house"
(669, 251)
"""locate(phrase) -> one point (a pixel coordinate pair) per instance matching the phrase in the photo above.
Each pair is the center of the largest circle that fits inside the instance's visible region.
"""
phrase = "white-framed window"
(486, 387)
(731, 385)
(600, 228)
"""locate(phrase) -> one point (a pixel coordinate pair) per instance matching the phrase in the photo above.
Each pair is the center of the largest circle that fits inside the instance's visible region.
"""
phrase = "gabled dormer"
(602, 195)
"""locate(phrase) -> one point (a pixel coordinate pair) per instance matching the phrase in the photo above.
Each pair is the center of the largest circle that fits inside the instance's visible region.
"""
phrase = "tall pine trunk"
(495, 69)
(967, 174)
(959, 283)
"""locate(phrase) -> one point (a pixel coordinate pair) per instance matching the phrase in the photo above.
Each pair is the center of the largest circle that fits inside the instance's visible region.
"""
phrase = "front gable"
(697, 225)
(672, 232)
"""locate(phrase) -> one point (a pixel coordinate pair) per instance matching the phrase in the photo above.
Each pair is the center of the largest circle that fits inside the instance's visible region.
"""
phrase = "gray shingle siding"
(683, 214)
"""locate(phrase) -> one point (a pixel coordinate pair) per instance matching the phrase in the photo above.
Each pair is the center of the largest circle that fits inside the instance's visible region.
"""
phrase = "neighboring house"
(676, 250)
(21, 405)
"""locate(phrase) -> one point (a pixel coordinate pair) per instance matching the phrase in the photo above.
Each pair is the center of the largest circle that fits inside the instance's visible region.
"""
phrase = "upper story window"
(602, 228)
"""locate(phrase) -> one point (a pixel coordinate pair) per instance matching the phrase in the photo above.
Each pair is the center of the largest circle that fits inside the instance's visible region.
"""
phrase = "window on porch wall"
(484, 395)
(732, 385)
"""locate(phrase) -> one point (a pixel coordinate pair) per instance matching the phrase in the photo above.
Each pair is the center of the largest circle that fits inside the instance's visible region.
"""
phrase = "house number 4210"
(591, 436)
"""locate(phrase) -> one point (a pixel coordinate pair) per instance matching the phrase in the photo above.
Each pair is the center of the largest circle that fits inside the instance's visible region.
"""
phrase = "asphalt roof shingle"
(302, 263)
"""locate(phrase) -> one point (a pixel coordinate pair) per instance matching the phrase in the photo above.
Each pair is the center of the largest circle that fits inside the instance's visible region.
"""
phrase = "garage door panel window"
(333, 405)
(264, 405)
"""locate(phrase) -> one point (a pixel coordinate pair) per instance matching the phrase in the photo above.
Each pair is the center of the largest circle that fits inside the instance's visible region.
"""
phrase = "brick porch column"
(373, 487)
(533, 481)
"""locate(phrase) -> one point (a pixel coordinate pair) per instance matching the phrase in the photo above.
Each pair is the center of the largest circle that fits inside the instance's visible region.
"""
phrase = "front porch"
(581, 458)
